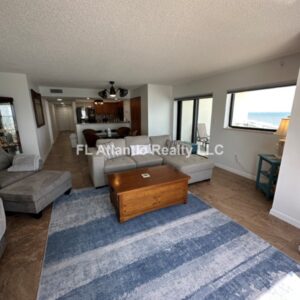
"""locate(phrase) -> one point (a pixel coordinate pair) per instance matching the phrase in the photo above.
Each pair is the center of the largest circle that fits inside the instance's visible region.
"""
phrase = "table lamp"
(282, 132)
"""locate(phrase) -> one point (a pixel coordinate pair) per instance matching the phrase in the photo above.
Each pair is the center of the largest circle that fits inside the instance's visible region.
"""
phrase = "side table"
(267, 174)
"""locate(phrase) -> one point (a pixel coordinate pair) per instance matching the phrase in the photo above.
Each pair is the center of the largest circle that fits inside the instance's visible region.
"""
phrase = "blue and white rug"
(188, 251)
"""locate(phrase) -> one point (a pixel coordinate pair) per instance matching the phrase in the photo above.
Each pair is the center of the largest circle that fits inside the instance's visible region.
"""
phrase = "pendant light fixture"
(113, 92)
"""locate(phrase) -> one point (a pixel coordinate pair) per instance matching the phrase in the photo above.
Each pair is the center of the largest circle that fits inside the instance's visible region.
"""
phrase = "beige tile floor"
(21, 264)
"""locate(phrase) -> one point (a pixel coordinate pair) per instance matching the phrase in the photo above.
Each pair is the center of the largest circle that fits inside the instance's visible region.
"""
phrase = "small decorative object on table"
(267, 177)
(145, 175)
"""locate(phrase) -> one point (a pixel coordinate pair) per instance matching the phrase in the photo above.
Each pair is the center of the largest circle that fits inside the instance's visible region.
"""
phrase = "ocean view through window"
(260, 109)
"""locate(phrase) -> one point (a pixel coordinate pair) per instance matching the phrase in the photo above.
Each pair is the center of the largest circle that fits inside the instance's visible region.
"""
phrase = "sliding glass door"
(194, 120)
(186, 130)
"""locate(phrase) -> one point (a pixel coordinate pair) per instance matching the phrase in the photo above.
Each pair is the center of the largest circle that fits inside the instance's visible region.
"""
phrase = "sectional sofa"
(29, 191)
(197, 167)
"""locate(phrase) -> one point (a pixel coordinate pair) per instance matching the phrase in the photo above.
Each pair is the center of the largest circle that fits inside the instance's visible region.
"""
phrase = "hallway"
(63, 157)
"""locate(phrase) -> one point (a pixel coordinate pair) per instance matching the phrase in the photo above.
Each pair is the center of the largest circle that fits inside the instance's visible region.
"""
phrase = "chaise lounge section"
(29, 191)
(33, 193)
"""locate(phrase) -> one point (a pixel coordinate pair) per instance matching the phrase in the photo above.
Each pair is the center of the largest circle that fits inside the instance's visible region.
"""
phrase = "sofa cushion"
(118, 143)
(118, 164)
(7, 178)
(110, 151)
(147, 160)
(137, 140)
(160, 140)
(191, 164)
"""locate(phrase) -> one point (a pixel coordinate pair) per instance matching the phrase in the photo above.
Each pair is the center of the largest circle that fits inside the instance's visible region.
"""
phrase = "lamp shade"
(283, 127)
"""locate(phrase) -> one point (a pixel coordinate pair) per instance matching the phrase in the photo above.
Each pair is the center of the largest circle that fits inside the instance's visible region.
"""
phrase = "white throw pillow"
(140, 149)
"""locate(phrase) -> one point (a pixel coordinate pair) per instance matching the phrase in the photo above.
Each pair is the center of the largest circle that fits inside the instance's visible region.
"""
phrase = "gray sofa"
(30, 192)
(197, 167)
(35, 192)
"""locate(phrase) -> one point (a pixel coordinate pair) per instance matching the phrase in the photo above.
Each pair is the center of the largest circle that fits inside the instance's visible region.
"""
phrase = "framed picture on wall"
(38, 108)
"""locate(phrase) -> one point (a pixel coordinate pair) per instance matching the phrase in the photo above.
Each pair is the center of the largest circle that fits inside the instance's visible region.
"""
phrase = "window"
(9, 136)
(260, 109)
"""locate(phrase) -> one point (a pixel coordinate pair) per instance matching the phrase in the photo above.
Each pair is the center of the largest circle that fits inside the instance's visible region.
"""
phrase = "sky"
(267, 100)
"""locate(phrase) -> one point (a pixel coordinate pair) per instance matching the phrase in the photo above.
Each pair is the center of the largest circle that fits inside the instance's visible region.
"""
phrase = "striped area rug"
(188, 251)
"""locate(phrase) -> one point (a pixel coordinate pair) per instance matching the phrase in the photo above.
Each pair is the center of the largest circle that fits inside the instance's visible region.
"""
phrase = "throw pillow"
(140, 149)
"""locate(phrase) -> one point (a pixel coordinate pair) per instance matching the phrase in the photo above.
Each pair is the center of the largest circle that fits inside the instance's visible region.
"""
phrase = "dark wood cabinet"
(110, 108)
(135, 114)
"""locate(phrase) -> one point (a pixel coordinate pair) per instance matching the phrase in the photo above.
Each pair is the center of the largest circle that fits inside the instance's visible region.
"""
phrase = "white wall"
(160, 109)
(54, 127)
(126, 108)
(43, 132)
(16, 86)
(156, 108)
(241, 147)
(49, 121)
(74, 112)
(286, 204)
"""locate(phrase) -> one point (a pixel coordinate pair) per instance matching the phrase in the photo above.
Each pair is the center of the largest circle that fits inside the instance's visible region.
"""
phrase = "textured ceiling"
(85, 43)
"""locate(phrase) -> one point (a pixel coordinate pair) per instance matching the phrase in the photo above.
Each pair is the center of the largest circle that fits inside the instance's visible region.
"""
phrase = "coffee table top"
(132, 179)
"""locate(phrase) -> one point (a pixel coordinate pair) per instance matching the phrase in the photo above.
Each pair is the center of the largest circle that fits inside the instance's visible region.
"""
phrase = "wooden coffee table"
(132, 195)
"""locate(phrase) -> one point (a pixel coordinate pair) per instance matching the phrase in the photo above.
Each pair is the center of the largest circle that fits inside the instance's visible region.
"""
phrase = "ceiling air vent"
(56, 91)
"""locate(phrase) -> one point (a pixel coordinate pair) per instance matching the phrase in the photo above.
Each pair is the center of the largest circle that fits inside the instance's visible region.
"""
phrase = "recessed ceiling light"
(59, 99)
(88, 98)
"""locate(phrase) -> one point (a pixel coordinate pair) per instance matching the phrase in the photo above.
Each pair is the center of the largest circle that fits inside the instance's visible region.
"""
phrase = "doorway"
(194, 121)
(64, 117)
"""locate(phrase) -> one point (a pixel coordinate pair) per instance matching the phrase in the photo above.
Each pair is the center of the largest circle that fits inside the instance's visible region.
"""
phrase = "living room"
(150, 152)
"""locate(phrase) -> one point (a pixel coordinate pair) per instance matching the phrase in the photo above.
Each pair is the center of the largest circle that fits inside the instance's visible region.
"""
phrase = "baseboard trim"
(235, 171)
(285, 217)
